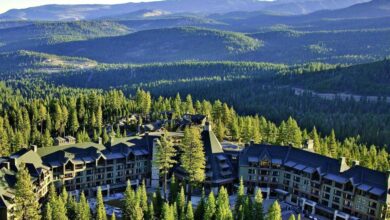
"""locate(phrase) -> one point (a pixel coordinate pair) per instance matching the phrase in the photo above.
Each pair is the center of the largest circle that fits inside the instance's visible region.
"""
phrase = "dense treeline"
(33, 34)
(172, 44)
(331, 46)
(364, 79)
(261, 88)
(138, 204)
(85, 114)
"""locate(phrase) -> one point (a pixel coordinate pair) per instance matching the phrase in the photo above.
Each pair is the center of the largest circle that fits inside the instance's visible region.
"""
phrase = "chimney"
(309, 145)
(207, 126)
(252, 142)
(34, 148)
(100, 141)
(111, 141)
(343, 164)
(355, 163)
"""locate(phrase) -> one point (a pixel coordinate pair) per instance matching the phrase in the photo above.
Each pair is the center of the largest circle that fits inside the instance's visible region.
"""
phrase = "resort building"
(318, 184)
(41, 177)
(219, 170)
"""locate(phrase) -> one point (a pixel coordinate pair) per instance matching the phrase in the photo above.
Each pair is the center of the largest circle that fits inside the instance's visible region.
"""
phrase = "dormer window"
(264, 163)
(69, 166)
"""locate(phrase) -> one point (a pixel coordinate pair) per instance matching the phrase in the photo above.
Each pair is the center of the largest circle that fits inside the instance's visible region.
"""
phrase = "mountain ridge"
(80, 12)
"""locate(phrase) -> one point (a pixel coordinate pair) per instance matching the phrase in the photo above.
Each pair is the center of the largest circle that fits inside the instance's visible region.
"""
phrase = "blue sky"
(5, 5)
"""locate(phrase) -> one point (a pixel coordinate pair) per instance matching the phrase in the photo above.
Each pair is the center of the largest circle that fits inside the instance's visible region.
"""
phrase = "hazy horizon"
(7, 5)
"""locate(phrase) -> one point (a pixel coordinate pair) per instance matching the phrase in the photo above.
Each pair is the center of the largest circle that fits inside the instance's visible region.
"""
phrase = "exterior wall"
(112, 172)
(324, 192)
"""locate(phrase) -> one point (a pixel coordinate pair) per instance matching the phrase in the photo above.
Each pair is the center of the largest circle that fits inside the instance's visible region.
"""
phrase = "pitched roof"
(364, 178)
(211, 143)
(290, 157)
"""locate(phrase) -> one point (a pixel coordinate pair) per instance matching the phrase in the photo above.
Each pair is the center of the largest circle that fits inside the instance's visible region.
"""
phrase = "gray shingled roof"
(364, 178)
(221, 169)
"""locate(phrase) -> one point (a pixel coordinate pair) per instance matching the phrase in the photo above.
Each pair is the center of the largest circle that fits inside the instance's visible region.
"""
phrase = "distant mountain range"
(244, 21)
(80, 12)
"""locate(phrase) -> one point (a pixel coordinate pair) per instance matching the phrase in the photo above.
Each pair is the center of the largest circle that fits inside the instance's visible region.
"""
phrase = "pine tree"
(248, 209)
(223, 211)
(210, 208)
(143, 198)
(193, 158)
(157, 202)
(165, 158)
(47, 212)
(72, 208)
(59, 209)
(150, 214)
(189, 215)
(113, 216)
(64, 195)
(294, 134)
(26, 203)
(240, 197)
(83, 211)
(332, 144)
(189, 105)
(173, 189)
(274, 212)
(316, 140)
(181, 204)
(100, 208)
(292, 217)
(74, 122)
(220, 131)
(167, 212)
(200, 209)
(132, 208)
(47, 141)
(258, 205)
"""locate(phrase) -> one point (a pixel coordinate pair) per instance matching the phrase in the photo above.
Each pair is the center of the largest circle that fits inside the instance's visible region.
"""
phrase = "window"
(337, 192)
(325, 196)
(264, 163)
(338, 185)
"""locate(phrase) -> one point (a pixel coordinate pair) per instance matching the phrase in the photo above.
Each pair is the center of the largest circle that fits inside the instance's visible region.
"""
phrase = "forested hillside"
(31, 119)
(340, 46)
(364, 79)
(253, 88)
(30, 35)
(22, 64)
(172, 44)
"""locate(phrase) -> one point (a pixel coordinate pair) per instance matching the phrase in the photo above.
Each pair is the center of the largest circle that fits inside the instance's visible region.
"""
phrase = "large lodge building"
(317, 184)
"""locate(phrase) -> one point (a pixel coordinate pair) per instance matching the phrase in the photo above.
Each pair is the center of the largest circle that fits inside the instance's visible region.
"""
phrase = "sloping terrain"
(340, 46)
(43, 33)
(79, 12)
(249, 21)
(26, 62)
(160, 45)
